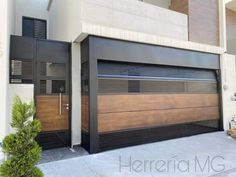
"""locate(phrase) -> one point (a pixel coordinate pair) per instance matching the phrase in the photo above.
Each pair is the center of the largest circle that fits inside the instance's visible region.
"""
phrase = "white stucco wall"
(29, 8)
(11, 13)
(76, 94)
(3, 67)
(64, 17)
(227, 1)
(135, 16)
(24, 91)
(228, 73)
(222, 21)
(6, 28)
(59, 21)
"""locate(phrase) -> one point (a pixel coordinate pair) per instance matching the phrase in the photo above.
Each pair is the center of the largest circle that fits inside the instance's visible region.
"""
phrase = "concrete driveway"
(212, 154)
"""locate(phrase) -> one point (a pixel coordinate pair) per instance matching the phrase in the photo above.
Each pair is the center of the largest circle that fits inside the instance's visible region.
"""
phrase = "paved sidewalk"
(212, 154)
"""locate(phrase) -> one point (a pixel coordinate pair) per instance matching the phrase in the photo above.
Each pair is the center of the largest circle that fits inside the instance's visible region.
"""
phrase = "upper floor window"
(35, 28)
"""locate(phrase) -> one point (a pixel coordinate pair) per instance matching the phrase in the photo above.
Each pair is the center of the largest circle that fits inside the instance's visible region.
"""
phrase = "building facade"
(110, 73)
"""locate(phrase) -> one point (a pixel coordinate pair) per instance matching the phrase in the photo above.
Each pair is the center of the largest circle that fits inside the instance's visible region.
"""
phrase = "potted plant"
(22, 150)
(2, 156)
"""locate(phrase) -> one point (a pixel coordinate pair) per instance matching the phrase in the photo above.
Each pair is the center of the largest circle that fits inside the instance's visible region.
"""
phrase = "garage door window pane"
(117, 77)
(144, 70)
(135, 86)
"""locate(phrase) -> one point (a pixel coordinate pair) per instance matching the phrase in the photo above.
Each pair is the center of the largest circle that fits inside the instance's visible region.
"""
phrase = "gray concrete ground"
(61, 154)
(206, 155)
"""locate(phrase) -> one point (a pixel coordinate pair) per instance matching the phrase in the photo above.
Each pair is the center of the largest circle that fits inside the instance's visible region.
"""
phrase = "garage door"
(138, 96)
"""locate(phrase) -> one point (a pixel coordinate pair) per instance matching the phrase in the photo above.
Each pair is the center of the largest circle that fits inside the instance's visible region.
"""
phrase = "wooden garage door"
(118, 112)
(141, 96)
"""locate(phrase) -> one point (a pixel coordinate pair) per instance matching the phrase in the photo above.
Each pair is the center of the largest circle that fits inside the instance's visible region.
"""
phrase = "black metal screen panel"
(35, 28)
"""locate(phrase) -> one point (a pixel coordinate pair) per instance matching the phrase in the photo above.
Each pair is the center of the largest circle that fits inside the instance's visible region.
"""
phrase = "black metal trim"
(220, 92)
(49, 140)
(70, 96)
(93, 84)
(124, 77)
(127, 51)
(85, 136)
(137, 136)
(21, 77)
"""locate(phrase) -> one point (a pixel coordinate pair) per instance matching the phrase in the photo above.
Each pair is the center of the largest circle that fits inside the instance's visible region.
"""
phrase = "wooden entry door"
(52, 93)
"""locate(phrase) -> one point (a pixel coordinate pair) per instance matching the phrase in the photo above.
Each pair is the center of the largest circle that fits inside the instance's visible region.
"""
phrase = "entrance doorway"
(46, 65)
(52, 93)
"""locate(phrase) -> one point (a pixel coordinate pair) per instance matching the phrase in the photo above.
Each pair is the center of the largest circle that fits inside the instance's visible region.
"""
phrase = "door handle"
(60, 100)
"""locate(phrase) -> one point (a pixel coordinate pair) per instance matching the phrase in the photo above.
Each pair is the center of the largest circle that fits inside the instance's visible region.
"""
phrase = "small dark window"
(35, 28)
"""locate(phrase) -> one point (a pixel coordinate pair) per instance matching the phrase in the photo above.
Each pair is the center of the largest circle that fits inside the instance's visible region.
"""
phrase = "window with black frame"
(52, 77)
(21, 71)
(36, 28)
(118, 77)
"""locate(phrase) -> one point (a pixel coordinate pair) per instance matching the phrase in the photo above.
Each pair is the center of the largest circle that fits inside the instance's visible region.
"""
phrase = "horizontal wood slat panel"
(144, 102)
(48, 113)
(85, 113)
(128, 120)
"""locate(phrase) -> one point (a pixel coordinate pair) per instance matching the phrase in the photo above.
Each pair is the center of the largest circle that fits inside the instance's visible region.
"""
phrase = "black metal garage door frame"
(94, 48)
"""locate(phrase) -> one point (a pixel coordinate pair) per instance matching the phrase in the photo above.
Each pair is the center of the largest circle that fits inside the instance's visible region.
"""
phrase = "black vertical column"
(93, 82)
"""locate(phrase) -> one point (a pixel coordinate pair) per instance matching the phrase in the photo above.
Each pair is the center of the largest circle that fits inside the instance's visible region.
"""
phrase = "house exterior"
(109, 73)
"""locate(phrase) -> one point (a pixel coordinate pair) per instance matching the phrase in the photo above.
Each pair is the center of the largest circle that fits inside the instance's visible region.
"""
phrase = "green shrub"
(21, 147)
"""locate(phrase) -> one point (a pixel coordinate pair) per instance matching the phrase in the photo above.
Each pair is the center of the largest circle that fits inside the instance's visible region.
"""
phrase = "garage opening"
(137, 95)
(134, 93)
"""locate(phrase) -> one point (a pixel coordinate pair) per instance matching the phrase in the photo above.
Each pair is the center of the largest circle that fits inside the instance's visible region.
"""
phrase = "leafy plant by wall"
(21, 148)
